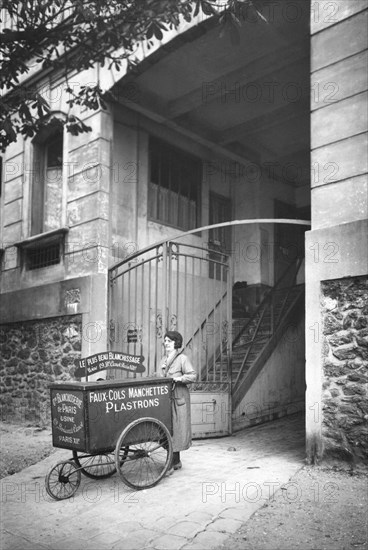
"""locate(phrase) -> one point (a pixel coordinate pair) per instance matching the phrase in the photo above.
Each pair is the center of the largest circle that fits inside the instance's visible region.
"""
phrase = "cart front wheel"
(95, 466)
(143, 453)
(63, 480)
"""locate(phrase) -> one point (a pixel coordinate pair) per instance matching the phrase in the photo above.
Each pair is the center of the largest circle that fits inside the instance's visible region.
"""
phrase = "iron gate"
(182, 285)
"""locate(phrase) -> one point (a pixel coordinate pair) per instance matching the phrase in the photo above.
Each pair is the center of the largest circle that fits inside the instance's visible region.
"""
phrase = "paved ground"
(222, 483)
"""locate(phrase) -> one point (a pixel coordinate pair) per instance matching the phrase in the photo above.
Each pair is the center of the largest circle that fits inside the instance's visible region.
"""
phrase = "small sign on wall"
(132, 336)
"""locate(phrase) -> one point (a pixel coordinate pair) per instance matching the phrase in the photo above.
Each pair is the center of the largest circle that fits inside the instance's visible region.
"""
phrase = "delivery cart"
(122, 426)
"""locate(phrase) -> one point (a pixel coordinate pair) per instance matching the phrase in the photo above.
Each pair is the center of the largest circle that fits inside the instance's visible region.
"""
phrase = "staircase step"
(243, 348)
(245, 371)
(236, 368)
(258, 328)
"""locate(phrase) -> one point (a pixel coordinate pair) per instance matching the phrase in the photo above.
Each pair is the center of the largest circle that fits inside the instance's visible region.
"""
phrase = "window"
(43, 257)
(174, 186)
(47, 182)
(43, 250)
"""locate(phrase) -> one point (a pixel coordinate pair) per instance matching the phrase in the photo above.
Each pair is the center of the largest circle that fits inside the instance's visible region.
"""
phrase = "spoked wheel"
(63, 480)
(143, 453)
(95, 466)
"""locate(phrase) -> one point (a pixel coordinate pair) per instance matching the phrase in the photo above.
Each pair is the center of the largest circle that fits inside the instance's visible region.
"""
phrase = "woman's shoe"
(178, 465)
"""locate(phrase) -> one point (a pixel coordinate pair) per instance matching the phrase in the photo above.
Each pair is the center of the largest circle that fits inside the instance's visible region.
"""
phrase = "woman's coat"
(182, 369)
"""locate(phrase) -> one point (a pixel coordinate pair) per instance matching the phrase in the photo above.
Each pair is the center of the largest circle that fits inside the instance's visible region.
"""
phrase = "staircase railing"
(268, 295)
(196, 340)
(258, 315)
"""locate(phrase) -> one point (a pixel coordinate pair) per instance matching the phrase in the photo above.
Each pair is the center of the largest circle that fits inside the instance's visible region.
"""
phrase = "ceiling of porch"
(251, 97)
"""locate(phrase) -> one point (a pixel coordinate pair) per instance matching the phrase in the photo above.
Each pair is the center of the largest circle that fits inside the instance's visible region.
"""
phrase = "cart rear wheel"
(143, 453)
(95, 466)
(63, 480)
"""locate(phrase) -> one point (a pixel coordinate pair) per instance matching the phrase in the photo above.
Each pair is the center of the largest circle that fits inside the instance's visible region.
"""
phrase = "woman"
(177, 366)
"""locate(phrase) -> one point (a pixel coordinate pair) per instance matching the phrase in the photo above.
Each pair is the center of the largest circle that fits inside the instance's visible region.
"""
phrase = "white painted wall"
(279, 389)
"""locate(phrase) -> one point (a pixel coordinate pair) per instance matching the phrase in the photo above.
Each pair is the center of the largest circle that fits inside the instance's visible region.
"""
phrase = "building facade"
(206, 136)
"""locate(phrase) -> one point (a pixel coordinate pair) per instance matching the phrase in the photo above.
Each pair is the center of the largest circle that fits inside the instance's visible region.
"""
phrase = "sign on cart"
(107, 360)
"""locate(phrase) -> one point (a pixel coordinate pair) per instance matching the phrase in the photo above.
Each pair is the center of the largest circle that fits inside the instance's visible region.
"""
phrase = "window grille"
(43, 257)
(174, 186)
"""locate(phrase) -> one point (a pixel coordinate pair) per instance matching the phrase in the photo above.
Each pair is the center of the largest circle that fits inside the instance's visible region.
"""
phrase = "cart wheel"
(63, 480)
(95, 466)
(143, 453)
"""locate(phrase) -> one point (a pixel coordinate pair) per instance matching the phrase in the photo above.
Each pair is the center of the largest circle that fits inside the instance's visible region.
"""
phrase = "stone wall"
(32, 355)
(345, 368)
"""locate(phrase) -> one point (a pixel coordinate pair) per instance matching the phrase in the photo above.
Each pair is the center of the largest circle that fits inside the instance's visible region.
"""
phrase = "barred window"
(43, 256)
(174, 186)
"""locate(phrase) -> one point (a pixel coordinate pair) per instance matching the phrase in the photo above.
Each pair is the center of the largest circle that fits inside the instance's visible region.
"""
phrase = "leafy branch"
(74, 35)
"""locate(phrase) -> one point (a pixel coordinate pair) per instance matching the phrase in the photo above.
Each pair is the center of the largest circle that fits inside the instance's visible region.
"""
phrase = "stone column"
(336, 247)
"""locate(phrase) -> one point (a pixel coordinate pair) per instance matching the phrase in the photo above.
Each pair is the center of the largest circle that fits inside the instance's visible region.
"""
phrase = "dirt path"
(22, 446)
(319, 509)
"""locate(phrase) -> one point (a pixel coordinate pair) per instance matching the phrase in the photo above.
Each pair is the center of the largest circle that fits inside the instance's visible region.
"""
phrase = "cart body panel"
(90, 416)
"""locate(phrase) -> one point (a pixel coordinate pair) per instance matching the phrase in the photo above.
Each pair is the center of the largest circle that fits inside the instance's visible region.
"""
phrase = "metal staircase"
(255, 338)
(264, 330)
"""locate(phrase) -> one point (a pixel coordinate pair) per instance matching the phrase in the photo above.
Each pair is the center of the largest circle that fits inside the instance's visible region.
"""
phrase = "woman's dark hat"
(176, 337)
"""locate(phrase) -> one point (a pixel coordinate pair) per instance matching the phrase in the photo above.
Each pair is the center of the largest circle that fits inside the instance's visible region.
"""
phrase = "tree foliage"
(73, 35)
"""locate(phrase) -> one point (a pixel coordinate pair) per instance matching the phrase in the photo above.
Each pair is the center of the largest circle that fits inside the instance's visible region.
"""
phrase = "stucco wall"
(279, 389)
(131, 230)
(84, 204)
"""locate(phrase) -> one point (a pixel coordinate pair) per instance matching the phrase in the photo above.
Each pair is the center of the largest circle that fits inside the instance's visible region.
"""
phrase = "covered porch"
(231, 110)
